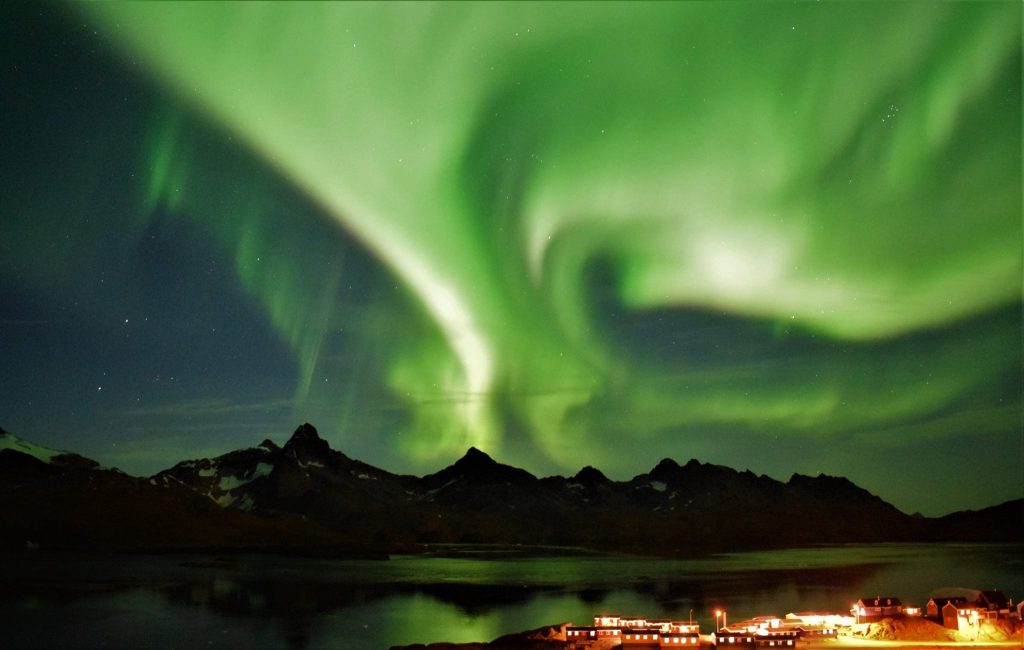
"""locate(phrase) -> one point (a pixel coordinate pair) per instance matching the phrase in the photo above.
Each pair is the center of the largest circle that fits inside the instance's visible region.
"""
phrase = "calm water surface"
(270, 602)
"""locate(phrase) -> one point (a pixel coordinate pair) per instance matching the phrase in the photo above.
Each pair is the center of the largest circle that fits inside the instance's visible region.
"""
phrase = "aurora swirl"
(783, 237)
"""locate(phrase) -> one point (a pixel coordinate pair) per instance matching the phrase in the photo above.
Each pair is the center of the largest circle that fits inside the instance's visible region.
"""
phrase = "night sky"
(783, 237)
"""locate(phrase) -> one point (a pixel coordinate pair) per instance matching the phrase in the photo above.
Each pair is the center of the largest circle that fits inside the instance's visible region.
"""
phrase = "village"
(958, 617)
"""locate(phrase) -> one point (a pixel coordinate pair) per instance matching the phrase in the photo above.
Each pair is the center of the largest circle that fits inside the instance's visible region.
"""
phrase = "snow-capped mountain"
(11, 443)
(304, 476)
(306, 496)
(671, 509)
(222, 479)
(678, 508)
(54, 499)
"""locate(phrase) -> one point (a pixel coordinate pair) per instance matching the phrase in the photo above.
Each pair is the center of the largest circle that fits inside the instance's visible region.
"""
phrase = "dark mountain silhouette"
(307, 494)
(60, 500)
(1001, 523)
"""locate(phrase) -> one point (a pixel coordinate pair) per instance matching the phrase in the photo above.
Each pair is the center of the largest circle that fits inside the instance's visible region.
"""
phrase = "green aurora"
(778, 236)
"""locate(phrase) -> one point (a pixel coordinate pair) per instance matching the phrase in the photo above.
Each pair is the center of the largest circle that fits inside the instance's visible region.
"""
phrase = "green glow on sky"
(843, 180)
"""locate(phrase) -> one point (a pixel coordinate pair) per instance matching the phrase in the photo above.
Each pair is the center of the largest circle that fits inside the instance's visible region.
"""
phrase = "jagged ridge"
(673, 509)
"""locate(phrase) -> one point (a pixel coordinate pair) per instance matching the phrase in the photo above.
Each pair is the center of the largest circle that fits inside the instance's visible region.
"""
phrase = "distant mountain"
(58, 500)
(308, 489)
(1001, 523)
(673, 509)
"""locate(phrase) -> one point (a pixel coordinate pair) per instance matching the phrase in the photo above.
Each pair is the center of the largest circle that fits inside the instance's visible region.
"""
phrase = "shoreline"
(895, 643)
(553, 637)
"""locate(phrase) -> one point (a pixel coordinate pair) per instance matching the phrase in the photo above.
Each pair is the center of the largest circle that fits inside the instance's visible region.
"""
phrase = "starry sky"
(783, 237)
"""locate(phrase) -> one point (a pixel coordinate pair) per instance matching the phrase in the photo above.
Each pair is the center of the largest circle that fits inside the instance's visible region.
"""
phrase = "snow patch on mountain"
(231, 481)
(224, 500)
(45, 454)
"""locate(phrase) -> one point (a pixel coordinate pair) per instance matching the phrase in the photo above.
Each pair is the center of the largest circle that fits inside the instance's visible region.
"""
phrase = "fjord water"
(175, 601)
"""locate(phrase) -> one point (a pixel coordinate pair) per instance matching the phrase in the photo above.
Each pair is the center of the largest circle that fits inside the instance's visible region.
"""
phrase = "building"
(989, 604)
(933, 608)
(963, 616)
(606, 620)
(643, 637)
(782, 637)
(679, 639)
(743, 637)
(994, 603)
(756, 624)
(726, 638)
(819, 619)
(589, 633)
(636, 631)
(817, 631)
(877, 608)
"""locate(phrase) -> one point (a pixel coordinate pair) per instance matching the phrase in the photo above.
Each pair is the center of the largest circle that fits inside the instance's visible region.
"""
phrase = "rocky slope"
(922, 630)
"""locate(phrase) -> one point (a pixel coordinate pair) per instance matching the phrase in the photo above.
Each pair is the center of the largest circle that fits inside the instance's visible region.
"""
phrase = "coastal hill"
(305, 495)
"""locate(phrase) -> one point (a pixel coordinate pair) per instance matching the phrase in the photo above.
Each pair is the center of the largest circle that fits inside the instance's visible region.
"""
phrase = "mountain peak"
(478, 467)
(666, 467)
(590, 476)
(307, 440)
(475, 458)
(306, 431)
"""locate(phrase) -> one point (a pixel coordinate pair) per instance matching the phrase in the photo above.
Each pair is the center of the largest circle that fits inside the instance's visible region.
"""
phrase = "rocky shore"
(549, 637)
(919, 629)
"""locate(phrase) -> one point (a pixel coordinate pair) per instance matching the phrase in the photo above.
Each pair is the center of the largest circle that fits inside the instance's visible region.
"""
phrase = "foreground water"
(272, 602)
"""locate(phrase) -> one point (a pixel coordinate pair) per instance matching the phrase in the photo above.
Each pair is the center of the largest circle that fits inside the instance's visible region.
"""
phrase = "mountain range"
(305, 497)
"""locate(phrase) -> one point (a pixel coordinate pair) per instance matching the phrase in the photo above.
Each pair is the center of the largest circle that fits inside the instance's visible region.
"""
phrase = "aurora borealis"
(778, 237)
